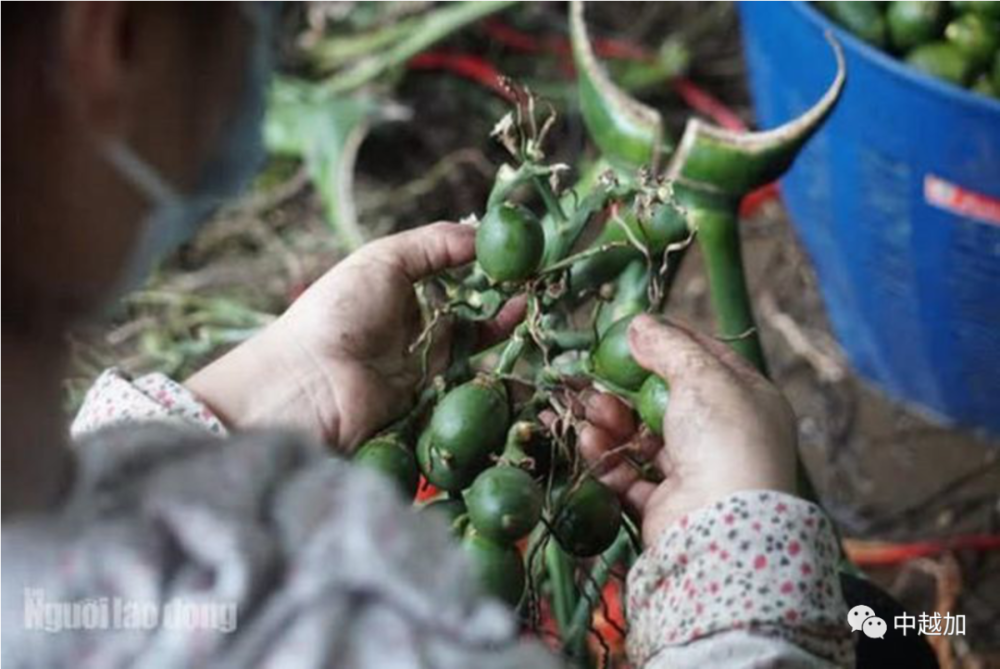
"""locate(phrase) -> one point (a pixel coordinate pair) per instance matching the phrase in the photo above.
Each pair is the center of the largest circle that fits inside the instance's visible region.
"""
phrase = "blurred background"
(383, 124)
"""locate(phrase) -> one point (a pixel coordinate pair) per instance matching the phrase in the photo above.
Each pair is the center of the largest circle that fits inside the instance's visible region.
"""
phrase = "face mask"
(174, 217)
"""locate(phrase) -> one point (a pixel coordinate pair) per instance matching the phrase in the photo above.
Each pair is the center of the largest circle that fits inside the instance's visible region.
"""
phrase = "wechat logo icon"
(862, 618)
(874, 628)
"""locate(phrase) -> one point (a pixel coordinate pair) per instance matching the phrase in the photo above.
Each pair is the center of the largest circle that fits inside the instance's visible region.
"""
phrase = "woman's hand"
(338, 363)
(726, 429)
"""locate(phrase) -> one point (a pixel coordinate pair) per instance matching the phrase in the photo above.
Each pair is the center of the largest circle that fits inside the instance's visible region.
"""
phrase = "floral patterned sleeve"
(749, 581)
(115, 398)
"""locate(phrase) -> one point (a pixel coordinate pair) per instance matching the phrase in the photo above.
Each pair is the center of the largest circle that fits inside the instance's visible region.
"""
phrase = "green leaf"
(422, 33)
(628, 133)
(325, 133)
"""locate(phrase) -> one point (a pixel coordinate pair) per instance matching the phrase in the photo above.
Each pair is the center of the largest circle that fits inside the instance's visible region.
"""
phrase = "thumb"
(427, 250)
(670, 351)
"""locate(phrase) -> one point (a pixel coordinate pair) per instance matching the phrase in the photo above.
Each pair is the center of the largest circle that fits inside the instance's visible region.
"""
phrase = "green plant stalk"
(576, 635)
(513, 350)
(565, 596)
(551, 376)
(220, 308)
(591, 252)
(482, 359)
(509, 179)
(715, 217)
(551, 202)
(434, 26)
(338, 50)
(561, 235)
(570, 340)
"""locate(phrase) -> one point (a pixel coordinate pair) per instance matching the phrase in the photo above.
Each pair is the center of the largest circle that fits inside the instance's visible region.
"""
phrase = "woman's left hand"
(339, 363)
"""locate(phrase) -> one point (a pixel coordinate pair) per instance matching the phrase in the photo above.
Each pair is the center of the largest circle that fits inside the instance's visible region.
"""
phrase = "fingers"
(442, 340)
(616, 464)
(672, 353)
(427, 250)
(610, 414)
(605, 455)
(498, 329)
(638, 494)
(610, 445)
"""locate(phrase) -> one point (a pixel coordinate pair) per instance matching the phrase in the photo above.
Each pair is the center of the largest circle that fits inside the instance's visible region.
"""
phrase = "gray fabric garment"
(325, 565)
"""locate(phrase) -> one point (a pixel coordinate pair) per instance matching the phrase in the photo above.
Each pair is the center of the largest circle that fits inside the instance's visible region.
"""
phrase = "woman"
(127, 123)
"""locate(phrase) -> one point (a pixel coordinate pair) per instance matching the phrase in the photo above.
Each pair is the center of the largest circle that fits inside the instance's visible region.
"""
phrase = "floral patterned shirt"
(326, 567)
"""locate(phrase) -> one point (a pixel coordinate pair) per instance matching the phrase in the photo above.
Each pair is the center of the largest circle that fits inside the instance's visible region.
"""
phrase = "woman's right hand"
(726, 429)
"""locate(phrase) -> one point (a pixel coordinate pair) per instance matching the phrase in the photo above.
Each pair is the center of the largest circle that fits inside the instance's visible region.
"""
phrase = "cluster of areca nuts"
(500, 474)
(958, 42)
(510, 485)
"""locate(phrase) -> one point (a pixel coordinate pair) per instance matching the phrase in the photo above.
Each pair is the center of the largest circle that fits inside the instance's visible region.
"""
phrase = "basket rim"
(892, 64)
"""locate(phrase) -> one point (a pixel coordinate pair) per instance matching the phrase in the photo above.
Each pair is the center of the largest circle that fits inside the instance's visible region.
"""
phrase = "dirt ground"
(883, 472)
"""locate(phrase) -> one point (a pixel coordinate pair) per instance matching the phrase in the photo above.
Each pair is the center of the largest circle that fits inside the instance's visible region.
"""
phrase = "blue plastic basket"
(897, 202)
